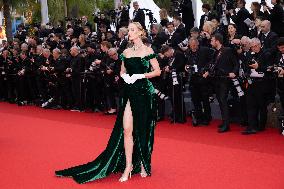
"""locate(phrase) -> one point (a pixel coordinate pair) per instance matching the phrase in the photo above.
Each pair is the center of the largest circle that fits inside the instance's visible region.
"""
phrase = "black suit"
(200, 85)
(258, 93)
(268, 42)
(139, 16)
(158, 40)
(178, 36)
(238, 19)
(225, 62)
(276, 18)
(77, 67)
(175, 91)
(187, 15)
(279, 59)
(204, 18)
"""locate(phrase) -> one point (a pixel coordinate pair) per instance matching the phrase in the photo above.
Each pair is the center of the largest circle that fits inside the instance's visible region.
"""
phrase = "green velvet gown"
(143, 105)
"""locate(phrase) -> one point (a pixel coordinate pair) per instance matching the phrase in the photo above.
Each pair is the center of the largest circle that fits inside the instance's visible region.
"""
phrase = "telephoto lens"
(238, 87)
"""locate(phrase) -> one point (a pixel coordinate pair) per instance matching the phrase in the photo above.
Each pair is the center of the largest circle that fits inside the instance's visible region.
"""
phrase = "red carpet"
(35, 142)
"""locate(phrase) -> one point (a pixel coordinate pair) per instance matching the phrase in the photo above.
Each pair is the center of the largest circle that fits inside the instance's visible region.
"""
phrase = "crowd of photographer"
(75, 68)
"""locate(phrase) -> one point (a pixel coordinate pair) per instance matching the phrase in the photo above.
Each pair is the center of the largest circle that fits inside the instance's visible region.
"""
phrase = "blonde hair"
(208, 27)
(140, 28)
(123, 30)
(163, 14)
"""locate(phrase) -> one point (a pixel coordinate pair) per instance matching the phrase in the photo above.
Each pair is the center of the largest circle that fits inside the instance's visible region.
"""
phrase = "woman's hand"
(135, 77)
(126, 78)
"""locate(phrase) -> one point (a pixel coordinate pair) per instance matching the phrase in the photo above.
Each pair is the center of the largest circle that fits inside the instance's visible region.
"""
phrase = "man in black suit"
(207, 16)
(179, 35)
(267, 37)
(77, 67)
(240, 17)
(279, 60)
(256, 97)
(159, 37)
(276, 17)
(198, 60)
(173, 69)
(138, 14)
(225, 69)
(187, 15)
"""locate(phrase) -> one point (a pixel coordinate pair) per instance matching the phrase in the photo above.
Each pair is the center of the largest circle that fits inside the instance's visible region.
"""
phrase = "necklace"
(135, 48)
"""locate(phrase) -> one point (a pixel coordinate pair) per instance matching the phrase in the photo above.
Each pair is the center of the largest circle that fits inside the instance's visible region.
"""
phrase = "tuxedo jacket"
(140, 17)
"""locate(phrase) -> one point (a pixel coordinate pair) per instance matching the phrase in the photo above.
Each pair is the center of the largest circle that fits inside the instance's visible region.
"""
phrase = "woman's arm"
(122, 68)
(156, 68)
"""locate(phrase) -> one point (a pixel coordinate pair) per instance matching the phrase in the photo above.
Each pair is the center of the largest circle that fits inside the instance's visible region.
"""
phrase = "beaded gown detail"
(142, 98)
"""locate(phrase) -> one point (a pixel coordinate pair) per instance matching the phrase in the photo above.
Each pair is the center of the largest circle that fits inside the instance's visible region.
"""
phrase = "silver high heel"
(143, 174)
(125, 178)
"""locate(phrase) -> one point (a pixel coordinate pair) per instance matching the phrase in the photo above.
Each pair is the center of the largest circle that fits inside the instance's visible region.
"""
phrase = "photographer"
(244, 58)
(279, 61)
(43, 62)
(187, 15)
(21, 79)
(225, 69)
(170, 32)
(77, 65)
(158, 36)
(101, 19)
(86, 23)
(12, 65)
(179, 34)
(109, 79)
(138, 15)
(116, 66)
(239, 18)
(276, 16)
(21, 33)
(258, 90)
(89, 36)
(61, 95)
(206, 8)
(206, 33)
(123, 17)
(267, 37)
(222, 8)
(198, 61)
(4, 62)
(122, 41)
(174, 68)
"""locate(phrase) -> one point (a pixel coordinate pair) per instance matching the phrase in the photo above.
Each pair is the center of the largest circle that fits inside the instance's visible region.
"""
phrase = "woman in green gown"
(130, 146)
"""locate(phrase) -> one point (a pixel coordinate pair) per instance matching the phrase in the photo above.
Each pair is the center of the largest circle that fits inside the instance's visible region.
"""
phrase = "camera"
(236, 84)
(191, 69)
(150, 14)
(281, 124)
(263, 3)
(174, 77)
(237, 46)
(176, 9)
(161, 95)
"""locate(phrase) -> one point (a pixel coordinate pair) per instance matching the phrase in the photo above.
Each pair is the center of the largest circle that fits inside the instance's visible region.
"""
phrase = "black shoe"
(110, 113)
(220, 126)
(261, 129)
(195, 123)
(56, 107)
(249, 132)
(224, 129)
(75, 109)
(204, 122)
(160, 119)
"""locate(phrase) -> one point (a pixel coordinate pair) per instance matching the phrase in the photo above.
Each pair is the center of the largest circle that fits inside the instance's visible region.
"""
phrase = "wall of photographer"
(235, 57)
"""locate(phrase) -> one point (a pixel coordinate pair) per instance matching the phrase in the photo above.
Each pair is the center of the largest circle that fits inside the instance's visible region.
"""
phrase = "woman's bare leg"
(128, 140)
